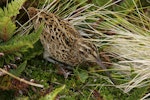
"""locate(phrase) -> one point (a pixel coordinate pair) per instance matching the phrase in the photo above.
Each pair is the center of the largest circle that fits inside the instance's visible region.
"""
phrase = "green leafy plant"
(13, 43)
(19, 69)
(52, 95)
(7, 26)
(18, 44)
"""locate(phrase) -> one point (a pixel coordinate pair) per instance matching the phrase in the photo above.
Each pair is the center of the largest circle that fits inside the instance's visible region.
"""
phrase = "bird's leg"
(65, 72)
(48, 58)
(61, 67)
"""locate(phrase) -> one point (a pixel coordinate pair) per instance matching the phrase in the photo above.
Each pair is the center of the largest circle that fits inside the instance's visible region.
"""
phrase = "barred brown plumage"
(62, 42)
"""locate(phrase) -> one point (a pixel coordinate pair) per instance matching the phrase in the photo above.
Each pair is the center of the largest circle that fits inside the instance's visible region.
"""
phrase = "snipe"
(62, 42)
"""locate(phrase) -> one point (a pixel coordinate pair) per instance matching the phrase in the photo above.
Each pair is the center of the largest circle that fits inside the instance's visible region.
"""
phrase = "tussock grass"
(130, 44)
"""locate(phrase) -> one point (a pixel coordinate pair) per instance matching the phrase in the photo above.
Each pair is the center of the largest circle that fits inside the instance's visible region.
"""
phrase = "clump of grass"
(128, 47)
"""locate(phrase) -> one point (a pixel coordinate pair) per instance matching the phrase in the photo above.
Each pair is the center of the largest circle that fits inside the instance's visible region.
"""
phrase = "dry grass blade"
(21, 80)
(131, 47)
(130, 44)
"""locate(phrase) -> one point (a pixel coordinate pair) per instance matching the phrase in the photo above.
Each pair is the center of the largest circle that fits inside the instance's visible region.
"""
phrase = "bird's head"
(32, 11)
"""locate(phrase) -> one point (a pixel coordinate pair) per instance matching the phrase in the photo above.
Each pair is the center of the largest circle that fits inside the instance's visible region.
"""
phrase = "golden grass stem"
(21, 80)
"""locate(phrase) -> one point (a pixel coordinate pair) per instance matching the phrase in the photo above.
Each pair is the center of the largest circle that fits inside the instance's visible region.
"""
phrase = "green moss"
(46, 74)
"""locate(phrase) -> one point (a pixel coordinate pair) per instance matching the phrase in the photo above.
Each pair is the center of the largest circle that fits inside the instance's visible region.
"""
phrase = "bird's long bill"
(99, 62)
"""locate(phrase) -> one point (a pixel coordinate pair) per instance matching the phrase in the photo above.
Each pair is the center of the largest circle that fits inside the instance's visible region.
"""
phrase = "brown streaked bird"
(62, 42)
